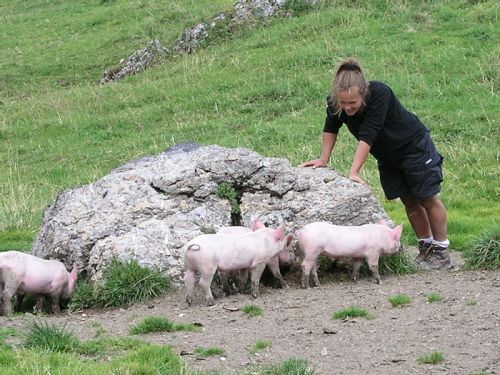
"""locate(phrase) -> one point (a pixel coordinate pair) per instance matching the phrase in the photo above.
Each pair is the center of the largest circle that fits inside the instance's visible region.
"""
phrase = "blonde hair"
(349, 74)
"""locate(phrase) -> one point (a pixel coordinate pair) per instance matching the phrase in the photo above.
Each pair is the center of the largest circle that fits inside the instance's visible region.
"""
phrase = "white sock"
(426, 240)
(444, 244)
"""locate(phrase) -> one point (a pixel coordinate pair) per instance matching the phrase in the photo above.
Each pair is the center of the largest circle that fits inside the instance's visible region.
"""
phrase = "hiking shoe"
(437, 259)
(424, 250)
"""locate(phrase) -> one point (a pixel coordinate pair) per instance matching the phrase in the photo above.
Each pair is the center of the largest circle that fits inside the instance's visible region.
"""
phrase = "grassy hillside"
(263, 89)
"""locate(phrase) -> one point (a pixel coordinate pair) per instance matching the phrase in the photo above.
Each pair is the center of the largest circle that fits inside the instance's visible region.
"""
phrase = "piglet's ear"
(279, 233)
(74, 272)
(382, 222)
(257, 224)
(396, 232)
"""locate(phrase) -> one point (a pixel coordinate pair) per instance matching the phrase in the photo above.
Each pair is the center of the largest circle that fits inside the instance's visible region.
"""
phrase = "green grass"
(49, 337)
(85, 296)
(124, 283)
(7, 332)
(128, 282)
(397, 264)
(352, 312)
(434, 297)
(471, 302)
(59, 45)
(485, 251)
(48, 348)
(432, 358)
(252, 310)
(260, 345)
(291, 366)
(208, 352)
(58, 350)
(227, 191)
(59, 129)
(18, 239)
(400, 300)
(107, 346)
(160, 324)
(144, 359)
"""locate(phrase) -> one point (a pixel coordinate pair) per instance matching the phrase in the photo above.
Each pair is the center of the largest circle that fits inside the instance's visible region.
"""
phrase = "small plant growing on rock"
(227, 191)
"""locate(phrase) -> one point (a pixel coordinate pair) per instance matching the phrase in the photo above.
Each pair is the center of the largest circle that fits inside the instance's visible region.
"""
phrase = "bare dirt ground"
(465, 326)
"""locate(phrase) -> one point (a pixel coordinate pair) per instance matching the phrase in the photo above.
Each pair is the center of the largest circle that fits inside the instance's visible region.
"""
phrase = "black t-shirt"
(383, 123)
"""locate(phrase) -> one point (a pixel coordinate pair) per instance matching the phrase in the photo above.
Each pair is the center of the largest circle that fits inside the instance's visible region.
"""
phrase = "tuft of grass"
(160, 324)
(298, 7)
(7, 332)
(100, 331)
(108, 345)
(85, 296)
(49, 337)
(15, 239)
(114, 357)
(260, 345)
(471, 302)
(432, 358)
(227, 191)
(125, 283)
(252, 310)
(291, 366)
(434, 297)
(352, 312)
(150, 359)
(484, 252)
(208, 352)
(398, 264)
(400, 300)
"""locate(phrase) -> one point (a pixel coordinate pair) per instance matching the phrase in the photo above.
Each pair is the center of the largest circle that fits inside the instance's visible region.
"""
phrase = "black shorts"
(419, 174)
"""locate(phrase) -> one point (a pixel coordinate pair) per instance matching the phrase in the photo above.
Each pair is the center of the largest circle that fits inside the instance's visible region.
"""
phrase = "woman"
(408, 162)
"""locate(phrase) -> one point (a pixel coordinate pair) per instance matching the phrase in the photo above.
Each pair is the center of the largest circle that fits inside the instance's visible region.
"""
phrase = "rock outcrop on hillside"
(244, 12)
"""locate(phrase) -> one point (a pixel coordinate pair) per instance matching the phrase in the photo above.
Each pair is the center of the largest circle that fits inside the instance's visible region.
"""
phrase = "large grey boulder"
(149, 208)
